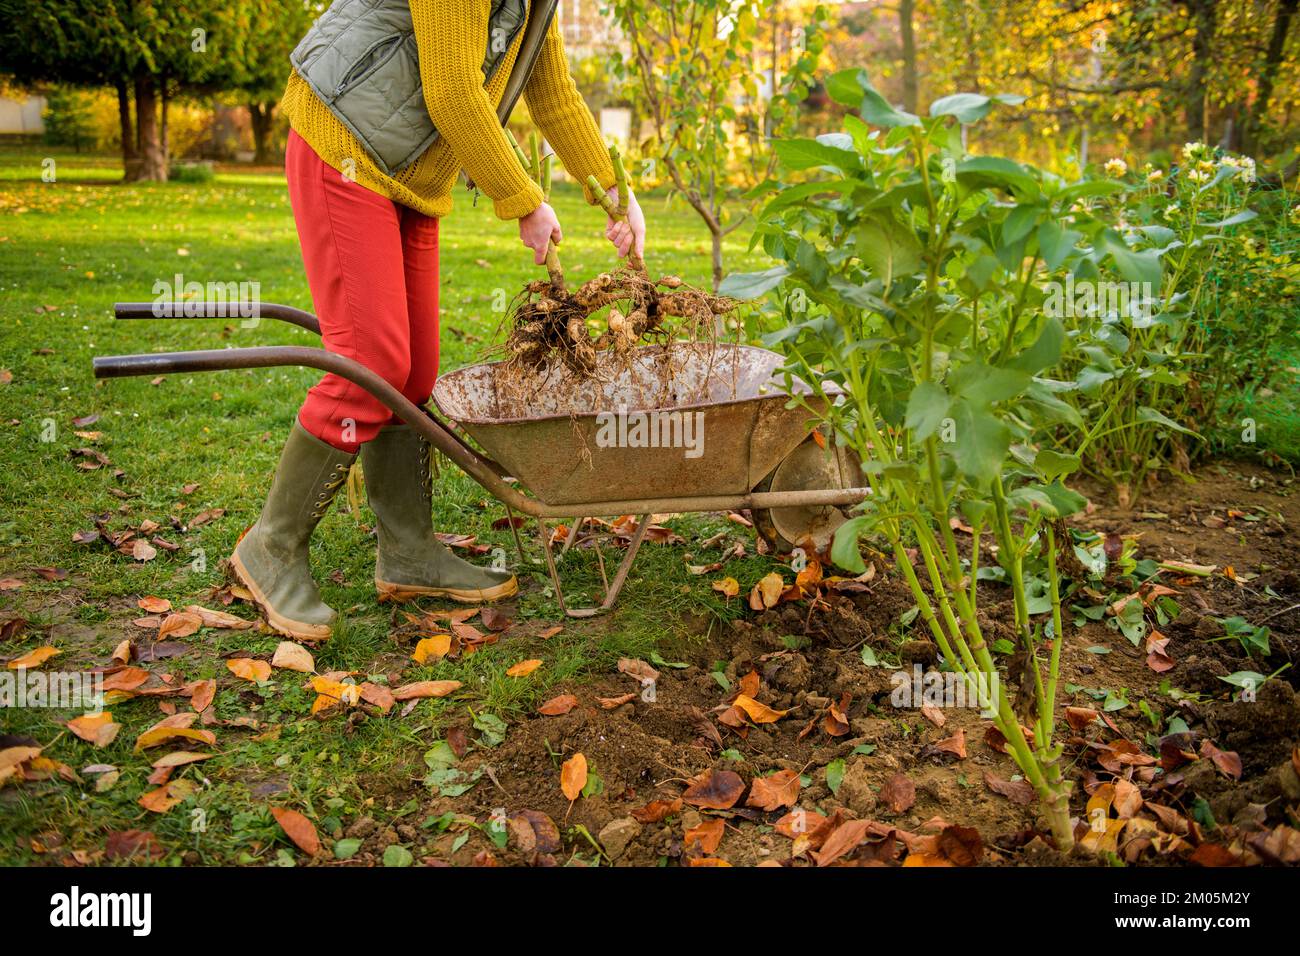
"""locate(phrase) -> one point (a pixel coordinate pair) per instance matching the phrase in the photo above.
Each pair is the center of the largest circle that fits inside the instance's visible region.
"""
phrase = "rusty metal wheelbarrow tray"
(750, 431)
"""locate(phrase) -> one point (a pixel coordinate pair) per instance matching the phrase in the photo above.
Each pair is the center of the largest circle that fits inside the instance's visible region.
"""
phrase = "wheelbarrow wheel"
(813, 465)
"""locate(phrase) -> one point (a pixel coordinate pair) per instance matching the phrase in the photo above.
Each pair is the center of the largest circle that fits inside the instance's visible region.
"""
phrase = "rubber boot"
(271, 559)
(411, 561)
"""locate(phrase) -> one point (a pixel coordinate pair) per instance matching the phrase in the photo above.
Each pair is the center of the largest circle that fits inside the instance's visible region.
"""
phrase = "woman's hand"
(628, 234)
(537, 229)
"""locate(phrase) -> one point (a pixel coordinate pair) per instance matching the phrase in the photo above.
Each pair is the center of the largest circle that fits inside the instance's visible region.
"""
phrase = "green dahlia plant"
(914, 277)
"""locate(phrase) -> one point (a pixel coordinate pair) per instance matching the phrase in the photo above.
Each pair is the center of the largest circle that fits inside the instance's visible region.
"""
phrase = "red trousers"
(372, 266)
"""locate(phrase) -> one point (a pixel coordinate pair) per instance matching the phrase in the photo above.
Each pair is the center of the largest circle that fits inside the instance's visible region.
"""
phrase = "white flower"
(1192, 150)
(1295, 213)
(1116, 168)
(1155, 176)
(1197, 175)
(1171, 210)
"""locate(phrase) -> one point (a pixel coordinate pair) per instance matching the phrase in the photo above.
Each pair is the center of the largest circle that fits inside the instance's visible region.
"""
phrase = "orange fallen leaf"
(249, 669)
(205, 691)
(767, 592)
(97, 729)
(714, 790)
(426, 688)
(557, 706)
(293, 657)
(781, 789)
(758, 713)
(524, 668)
(727, 587)
(154, 605)
(179, 624)
(708, 834)
(33, 658)
(573, 776)
(299, 829)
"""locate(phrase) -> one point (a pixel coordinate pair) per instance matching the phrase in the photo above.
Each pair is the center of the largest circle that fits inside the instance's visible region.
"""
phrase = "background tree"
(714, 80)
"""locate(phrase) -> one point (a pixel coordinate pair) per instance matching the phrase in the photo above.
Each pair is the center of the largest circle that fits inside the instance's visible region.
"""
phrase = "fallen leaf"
(154, 605)
(573, 776)
(773, 792)
(656, 810)
(426, 688)
(609, 703)
(714, 790)
(1227, 761)
(1019, 792)
(708, 834)
(558, 706)
(97, 729)
(758, 713)
(179, 624)
(299, 829)
(898, 793)
(293, 657)
(205, 691)
(728, 587)
(249, 669)
(767, 592)
(431, 648)
(33, 658)
(524, 668)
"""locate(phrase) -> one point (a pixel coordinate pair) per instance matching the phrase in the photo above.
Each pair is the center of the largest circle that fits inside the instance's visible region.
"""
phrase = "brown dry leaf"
(656, 810)
(293, 657)
(960, 846)
(10, 584)
(205, 691)
(122, 653)
(767, 592)
(708, 861)
(708, 834)
(249, 669)
(154, 605)
(524, 668)
(758, 713)
(955, 745)
(638, 669)
(431, 648)
(495, 619)
(179, 624)
(781, 789)
(169, 728)
(1019, 792)
(934, 715)
(898, 793)
(727, 587)
(798, 822)
(97, 729)
(299, 829)
(550, 632)
(1227, 761)
(426, 688)
(557, 706)
(33, 658)
(748, 685)
(1128, 801)
(141, 550)
(714, 790)
(378, 695)
(1079, 717)
(609, 703)
(573, 776)
(219, 619)
(843, 839)
(836, 721)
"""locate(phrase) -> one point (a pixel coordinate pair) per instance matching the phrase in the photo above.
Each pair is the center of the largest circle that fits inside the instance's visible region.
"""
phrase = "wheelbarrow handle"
(214, 310)
(483, 470)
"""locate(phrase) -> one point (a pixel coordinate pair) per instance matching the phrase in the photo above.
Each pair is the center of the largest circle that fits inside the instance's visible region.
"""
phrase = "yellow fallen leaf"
(33, 658)
(758, 713)
(524, 668)
(249, 669)
(767, 592)
(728, 587)
(293, 657)
(431, 648)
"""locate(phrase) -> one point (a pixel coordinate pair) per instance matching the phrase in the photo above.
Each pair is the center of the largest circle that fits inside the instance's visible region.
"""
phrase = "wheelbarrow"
(688, 429)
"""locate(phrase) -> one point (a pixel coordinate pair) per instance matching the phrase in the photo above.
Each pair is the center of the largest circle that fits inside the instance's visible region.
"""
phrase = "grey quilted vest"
(361, 59)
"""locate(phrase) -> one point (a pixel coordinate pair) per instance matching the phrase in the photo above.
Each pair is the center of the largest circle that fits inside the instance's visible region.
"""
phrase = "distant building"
(22, 116)
(586, 31)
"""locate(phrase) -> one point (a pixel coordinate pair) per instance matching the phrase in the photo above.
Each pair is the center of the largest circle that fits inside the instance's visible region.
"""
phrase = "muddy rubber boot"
(411, 562)
(271, 559)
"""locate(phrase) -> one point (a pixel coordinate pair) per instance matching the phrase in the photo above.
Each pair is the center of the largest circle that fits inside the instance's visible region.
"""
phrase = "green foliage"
(67, 119)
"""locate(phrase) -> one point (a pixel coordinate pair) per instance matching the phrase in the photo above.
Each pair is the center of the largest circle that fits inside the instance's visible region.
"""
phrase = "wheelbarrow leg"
(514, 530)
(612, 590)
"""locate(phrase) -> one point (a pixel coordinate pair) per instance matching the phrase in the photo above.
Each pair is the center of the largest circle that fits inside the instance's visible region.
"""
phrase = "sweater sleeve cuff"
(519, 204)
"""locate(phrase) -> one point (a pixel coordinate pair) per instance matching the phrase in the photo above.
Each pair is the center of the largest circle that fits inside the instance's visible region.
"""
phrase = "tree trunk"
(164, 128)
(717, 258)
(906, 9)
(1258, 112)
(152, 159)
(260, 117)
(1204, 19)
(130, 158)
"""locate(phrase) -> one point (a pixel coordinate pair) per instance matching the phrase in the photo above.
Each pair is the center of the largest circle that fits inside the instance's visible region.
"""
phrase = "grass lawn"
(68, 251)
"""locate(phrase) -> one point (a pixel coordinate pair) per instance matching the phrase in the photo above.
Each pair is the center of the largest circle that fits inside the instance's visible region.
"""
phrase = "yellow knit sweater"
(451, 36)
